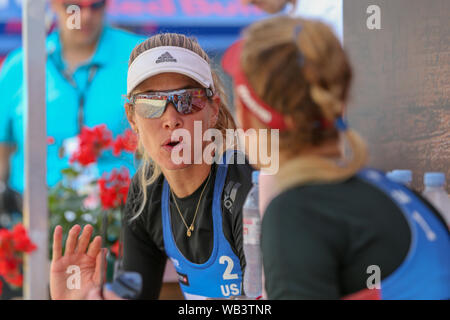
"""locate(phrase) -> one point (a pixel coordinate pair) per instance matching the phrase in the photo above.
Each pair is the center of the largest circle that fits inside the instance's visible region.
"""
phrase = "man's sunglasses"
(151, 105)
(96, 5)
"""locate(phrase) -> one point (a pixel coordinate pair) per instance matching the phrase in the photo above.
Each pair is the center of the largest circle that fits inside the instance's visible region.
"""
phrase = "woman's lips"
(170, 145)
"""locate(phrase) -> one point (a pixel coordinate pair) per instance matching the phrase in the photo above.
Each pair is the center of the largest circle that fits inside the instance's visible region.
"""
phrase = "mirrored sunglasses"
(152, 105)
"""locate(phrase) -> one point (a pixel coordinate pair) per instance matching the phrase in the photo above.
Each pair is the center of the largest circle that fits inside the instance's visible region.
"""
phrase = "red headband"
(248, 97)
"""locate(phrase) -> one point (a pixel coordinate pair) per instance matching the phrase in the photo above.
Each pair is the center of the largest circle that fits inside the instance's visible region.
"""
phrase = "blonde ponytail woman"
(336, 229)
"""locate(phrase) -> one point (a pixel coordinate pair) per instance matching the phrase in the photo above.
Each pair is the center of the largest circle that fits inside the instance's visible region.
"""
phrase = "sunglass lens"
(150, 109)
(98, 5)
(183, 104)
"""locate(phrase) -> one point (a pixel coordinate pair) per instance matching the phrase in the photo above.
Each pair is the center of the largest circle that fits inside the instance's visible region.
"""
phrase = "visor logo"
(165, 57)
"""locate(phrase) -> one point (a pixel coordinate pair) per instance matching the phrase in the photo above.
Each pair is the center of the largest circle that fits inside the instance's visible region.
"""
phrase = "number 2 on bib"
(227, 275)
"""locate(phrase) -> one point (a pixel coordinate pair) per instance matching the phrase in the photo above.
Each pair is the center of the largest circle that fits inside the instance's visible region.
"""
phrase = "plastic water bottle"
(436, 194)
(400, 176)
(252, 232)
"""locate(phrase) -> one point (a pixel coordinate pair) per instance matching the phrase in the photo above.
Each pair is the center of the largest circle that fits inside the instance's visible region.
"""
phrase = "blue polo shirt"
(102, 80)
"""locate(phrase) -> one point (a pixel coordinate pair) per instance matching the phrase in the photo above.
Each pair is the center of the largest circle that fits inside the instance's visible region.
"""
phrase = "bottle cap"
(255, 177)
(434, 179)
(400, 176)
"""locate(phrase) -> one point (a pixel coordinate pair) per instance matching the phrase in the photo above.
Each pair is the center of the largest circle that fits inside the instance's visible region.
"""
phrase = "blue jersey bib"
(221, 275)
(425, 272)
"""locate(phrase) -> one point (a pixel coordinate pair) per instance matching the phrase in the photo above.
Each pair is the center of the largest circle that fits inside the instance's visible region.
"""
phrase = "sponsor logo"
(165, 57)
(230, 194)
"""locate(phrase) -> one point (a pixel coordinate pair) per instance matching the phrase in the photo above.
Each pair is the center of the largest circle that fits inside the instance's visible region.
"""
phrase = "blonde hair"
(299, 68)
(149, 171)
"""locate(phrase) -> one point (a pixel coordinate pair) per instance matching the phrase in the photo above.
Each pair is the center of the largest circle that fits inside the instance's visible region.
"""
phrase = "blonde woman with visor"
(174, 210)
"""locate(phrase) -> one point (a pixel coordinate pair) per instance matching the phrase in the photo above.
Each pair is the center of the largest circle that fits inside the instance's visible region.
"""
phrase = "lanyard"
(81, 93)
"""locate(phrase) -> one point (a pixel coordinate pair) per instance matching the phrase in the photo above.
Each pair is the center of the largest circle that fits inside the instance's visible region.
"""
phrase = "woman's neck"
(184, 182)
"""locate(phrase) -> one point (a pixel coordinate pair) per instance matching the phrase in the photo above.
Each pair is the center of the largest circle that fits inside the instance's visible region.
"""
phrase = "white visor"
(169, 59)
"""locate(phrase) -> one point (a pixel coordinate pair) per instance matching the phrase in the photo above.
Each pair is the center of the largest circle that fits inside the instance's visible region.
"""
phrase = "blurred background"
(215, 23)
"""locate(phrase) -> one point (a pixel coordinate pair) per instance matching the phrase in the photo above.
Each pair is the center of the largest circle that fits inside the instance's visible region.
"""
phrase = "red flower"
(84, 156)
(15, 279)
(92, 142)
(6, 245)
(50, 140)
(114, 188)
(21, 240)
(12, 245)
(128, 142)
(8, 266)
(115, 248)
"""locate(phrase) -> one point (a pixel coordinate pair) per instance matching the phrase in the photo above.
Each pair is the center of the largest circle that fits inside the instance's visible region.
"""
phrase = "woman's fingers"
(99, 264)
(83, 241)
(94, 247)
(72, 239)
(57, 243)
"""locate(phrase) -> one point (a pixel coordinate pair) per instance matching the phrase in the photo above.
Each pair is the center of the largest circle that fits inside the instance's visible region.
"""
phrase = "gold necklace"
(190, 229)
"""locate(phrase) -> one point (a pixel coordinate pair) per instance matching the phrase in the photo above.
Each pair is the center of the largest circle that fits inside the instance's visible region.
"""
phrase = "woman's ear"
(129, 110)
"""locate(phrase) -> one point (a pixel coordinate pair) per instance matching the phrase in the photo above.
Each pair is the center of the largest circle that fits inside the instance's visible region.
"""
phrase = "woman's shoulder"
(344, 188)
(347, 203)
(239, 175)
(238, 183)
(237, 162)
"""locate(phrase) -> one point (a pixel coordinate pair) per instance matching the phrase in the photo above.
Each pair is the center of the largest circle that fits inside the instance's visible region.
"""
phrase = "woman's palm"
(78, 271)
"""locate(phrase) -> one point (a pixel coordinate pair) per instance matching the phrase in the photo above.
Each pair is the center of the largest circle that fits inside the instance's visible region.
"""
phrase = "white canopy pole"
(36, 272)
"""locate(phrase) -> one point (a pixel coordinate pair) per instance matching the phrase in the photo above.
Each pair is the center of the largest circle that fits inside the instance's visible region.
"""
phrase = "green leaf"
(70, 172)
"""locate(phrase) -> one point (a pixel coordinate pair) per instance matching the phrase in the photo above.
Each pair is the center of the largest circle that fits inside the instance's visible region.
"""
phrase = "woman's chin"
(175, 164)
(177, 160)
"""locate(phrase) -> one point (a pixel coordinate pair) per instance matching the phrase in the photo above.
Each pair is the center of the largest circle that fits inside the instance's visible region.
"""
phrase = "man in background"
(328, 11)
(86, 75)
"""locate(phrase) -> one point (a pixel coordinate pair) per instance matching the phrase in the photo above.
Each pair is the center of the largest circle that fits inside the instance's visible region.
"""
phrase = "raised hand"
(81, 258)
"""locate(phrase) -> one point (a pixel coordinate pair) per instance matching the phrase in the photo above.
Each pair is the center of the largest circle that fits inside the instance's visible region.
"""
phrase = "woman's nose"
(171, 118)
